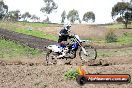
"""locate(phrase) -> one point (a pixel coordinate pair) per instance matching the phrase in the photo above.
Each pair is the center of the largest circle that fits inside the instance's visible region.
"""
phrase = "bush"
(71, 74)
(125, 34)
(111, 37)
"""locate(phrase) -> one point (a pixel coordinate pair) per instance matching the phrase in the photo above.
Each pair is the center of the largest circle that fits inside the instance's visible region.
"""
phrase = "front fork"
(83, 49)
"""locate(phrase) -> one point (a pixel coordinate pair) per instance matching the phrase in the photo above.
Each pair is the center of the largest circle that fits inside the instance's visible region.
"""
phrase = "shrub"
(111, 37)
(71, 74)
(125, 34)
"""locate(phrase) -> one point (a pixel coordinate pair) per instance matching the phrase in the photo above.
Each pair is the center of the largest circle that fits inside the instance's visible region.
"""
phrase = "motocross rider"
(64, 35)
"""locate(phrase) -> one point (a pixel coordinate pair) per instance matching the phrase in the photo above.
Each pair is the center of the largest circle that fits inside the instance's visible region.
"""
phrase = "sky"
(101, 8)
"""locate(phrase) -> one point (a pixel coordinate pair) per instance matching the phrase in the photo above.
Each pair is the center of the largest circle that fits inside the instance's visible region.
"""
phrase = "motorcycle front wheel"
(50, 58)
(91, 53)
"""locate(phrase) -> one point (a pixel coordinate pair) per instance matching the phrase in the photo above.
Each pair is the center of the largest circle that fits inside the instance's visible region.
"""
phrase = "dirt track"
(30, 41)
(35, 74)
(39, 43)
(31, 74)
(40, 76)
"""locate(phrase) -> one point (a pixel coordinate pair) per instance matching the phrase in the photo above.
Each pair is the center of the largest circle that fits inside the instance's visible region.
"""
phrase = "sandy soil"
(33, 73)
(40, 76)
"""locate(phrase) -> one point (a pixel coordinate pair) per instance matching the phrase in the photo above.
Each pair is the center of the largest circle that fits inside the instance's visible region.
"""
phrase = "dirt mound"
(73, 62)
(22, 76)
(101, 61)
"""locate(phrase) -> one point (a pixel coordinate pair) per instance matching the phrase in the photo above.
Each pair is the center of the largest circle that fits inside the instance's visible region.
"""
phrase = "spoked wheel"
(91, 53)
(50, 58)
(72, 54)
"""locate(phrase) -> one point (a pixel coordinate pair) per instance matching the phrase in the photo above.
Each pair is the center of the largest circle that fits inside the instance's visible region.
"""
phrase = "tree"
(89, 16)
(119, 19)
(50, 6)
(13, 15)
(73, 16)
(34, 18)
(123, 10)
(46, 20)
(3, 9)
(26, 15)
(63, 16)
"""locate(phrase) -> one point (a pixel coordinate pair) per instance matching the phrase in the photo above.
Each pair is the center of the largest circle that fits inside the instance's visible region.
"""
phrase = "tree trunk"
(126, 23)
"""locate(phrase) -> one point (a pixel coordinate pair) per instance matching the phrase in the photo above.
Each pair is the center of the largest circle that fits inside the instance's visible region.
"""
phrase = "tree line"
(72, 16)
(50, 6)
(121, 12)
(15, 15)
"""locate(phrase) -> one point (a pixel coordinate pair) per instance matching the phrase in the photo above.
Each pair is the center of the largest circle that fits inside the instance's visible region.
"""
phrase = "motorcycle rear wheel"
(91, 53)
(50, 58)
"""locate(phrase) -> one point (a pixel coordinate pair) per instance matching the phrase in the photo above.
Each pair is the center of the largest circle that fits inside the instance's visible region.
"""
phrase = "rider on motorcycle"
(64, 35)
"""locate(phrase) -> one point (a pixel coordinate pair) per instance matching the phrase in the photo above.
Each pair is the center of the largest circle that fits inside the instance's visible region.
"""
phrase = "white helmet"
(67, 26)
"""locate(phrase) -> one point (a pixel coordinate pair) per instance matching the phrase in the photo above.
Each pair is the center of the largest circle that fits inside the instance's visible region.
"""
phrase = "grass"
(117, 26)
(121, 40)
(22, 27)
(9, 50)
(33, 24)
(8, 25)
(12, 25)
(125, 39)
(18, 27)
(71, 74)
(115, 52)
(36, 33)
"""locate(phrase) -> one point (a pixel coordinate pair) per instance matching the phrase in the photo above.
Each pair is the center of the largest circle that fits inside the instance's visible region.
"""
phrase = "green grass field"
(12, 25)
(115, 52)
(33, 24)
(122, 40)
(36, 33)
(10, 50)
(125, 39)
(22, 27)
(117, 26)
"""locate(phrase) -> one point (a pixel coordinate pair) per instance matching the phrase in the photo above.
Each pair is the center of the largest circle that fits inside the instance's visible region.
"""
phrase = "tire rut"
(28, 40)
